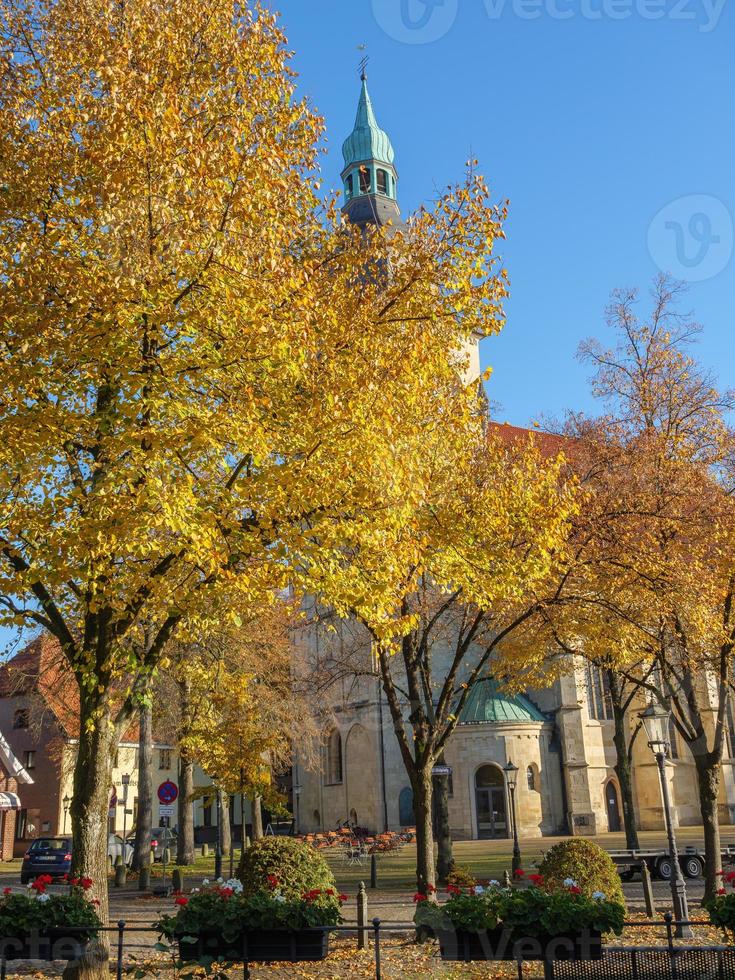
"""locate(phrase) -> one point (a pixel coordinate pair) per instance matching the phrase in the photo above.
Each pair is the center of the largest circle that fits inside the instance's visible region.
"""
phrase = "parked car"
(46, 856)
(115, 847)
(161, 837)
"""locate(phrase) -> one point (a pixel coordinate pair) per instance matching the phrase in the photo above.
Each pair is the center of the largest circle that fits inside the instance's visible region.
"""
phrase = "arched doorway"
(490, 803)
(612, 802)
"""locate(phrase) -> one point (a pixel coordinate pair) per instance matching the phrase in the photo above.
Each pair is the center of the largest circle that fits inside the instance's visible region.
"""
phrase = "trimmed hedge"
(296, 865)
(587, 863)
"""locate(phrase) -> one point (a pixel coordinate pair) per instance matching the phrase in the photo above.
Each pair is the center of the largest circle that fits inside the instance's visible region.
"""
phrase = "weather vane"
(364, 62)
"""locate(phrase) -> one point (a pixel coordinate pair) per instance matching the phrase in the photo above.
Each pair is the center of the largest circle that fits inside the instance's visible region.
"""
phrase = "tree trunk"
(142, 847)
(257, 818)
(226, 834)
(89, 808)
(623, 770)
(708, 778)
(185, 845)
(422, 798)
(445, 858)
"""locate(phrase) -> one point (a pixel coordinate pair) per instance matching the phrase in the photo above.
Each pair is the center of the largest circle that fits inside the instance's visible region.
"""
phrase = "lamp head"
(656, 719)
(511, 774)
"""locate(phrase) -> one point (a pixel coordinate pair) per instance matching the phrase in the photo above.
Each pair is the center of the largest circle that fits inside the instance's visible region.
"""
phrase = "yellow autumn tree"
(210, 384)
(487, 549)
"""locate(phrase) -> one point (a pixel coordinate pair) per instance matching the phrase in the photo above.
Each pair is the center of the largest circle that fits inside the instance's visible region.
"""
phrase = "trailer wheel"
(665, 868)
(693, 867)
(627, 873)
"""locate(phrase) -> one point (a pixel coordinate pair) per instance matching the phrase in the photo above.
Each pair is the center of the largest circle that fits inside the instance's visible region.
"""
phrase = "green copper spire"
(367, 141)
(369, 176)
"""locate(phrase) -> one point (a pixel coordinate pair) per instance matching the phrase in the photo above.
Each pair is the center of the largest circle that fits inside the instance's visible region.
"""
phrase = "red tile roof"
(40, 670)
(549, 443)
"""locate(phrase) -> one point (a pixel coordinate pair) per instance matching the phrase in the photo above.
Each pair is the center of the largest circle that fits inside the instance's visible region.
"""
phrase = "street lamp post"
(218, 847)
(125, 779)
(66, 803)
(511, 775)
(656, 723)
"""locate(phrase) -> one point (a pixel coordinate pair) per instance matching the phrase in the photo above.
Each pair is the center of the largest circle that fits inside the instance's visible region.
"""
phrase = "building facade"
(560, 738)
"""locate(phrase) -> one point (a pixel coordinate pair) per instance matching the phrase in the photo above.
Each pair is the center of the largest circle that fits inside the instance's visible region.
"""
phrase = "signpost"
(168, 792)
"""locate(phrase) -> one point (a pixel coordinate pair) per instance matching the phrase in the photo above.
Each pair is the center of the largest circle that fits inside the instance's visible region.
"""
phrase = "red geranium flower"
(430, 889)
(226, 892)
(86, 883)
(342, 898)
(453, 890)
(419, 897)
(7, 891)
(181, 900)
(272, 881)
(519, 872)
(536, 879)
(721, 891)
(575, 890)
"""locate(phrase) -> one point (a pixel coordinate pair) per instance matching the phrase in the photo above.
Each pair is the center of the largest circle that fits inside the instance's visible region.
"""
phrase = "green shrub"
(461, 877)
(297, 867)
(589, 865)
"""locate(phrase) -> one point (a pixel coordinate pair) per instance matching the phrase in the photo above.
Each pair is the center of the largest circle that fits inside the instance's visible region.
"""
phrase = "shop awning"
(10, 801)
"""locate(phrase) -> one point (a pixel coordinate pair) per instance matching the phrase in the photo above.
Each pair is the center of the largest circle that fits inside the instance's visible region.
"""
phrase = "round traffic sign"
(167, 792)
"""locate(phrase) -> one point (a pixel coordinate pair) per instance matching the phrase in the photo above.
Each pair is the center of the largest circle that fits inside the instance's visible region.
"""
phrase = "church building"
(560, 738)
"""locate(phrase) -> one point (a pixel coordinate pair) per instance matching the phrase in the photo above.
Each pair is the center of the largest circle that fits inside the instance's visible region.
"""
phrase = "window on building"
(29, 759)
(406, 815)
(730, 730)
(164, 758)
(21, 824)
(20, 718)
(673, 739)
(382, 178)
(531, 778)
(349, 185)
(599, 702)
(364, 180)
(334, 757)
(207, 813)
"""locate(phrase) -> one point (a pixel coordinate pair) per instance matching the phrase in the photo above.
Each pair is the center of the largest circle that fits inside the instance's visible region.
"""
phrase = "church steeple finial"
(369, 175)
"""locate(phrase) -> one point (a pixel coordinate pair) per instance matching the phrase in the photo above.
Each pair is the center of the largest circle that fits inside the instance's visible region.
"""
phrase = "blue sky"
(591, 123)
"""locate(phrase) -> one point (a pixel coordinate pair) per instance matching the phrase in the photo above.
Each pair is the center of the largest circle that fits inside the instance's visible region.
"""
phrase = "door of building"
(490, 803)
(613, 807)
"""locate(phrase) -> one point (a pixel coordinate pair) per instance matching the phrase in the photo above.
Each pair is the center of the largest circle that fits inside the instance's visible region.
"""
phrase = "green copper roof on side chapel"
(367, 141)
(487, 704)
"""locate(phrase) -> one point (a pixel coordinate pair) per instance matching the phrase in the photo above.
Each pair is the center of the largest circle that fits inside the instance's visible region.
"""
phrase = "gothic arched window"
(349, 185)
(334, 757)
(382, 179)
(364, 180)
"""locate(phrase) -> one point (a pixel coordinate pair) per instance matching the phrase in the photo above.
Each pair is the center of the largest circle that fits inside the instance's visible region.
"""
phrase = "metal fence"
(667, 961)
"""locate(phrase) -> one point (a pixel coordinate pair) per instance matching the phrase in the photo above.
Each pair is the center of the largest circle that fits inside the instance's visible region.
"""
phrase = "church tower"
(369, 176)
(370, 180)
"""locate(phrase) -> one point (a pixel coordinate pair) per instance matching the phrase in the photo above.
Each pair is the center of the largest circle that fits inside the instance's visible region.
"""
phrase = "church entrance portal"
(490, 803)
(613, 807)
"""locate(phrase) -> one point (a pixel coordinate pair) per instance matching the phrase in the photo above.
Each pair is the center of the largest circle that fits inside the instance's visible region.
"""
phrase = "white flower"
(43, 897)
(279, 898)
(599, 896)
(205, 881)
(194, 891)
(494, 883)
(220, 881)
(479, 890)
(570, 883)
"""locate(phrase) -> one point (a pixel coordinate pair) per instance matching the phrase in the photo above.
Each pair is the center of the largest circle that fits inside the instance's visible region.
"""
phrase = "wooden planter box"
(262, 946)
(497, 944)
(54, 944)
